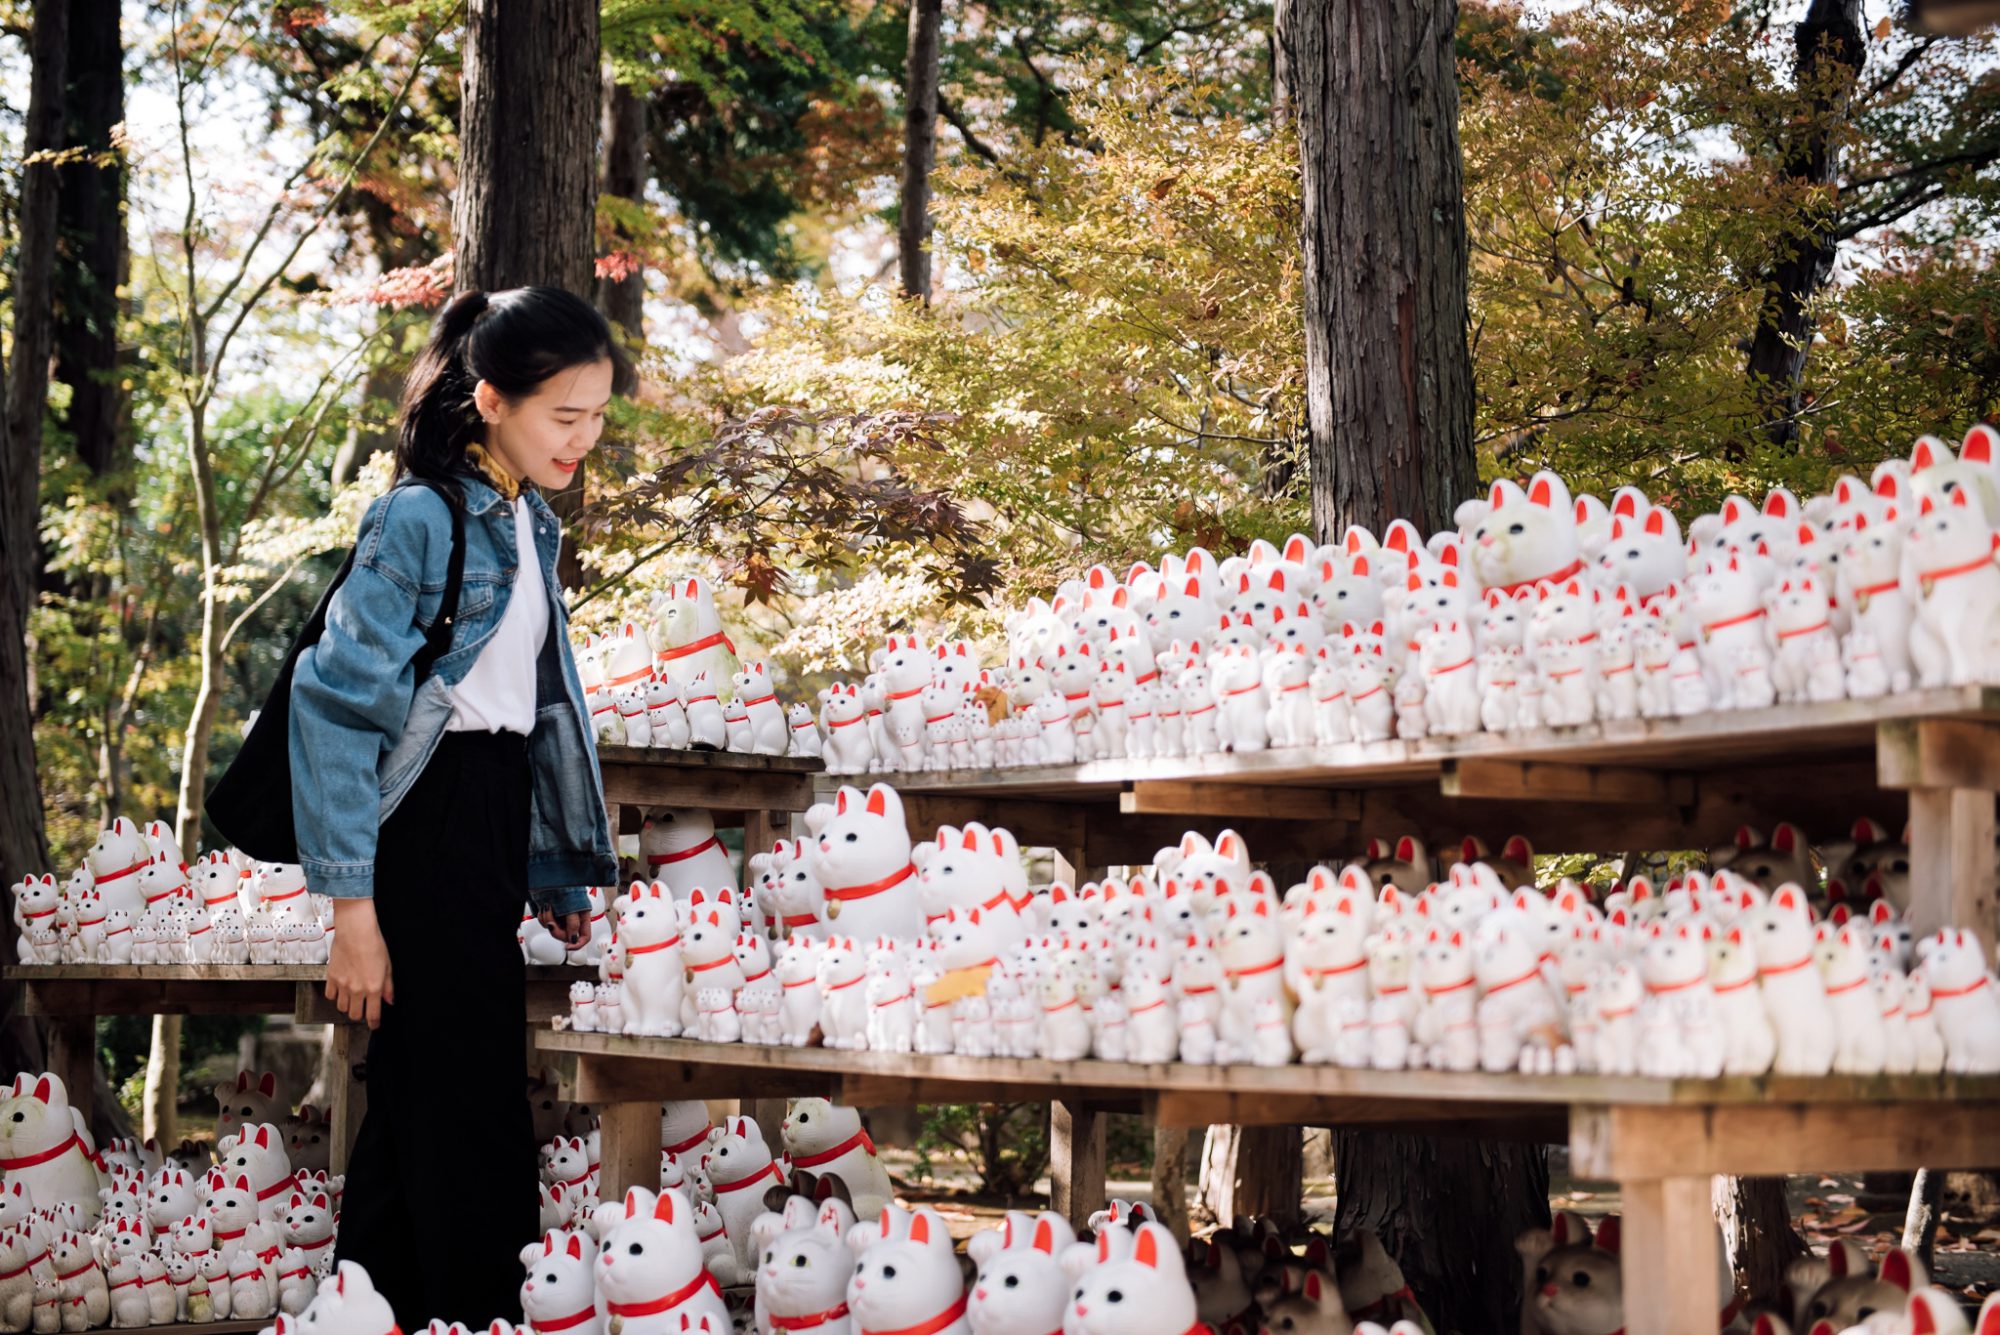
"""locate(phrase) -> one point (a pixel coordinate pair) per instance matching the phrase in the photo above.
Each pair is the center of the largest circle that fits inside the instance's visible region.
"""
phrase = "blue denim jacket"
(362, 729)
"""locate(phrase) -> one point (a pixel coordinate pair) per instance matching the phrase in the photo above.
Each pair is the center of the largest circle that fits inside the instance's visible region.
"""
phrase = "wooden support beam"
(1546, 1125)
(628, 1148)
(1952, 863)
(1668, 1256)
(1033, 822)
(142, 996)
(349, 1095)
(1625, 1142)
(1179, 797)
(1540, 781)
(621, 1079)
(1939, 753)
(713, 790)
(1076, 1160)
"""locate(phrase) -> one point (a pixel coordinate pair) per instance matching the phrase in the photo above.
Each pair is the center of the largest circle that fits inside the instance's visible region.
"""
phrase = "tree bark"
(1284, 65)
(920, 104)
(527, 180)
(623, 300)
(91, 220)
(1388, 373)
(1389, 431)
(23, 838)
(1757, 1232)
(1831, 46)
(1448, 1211)
(1252, 1171)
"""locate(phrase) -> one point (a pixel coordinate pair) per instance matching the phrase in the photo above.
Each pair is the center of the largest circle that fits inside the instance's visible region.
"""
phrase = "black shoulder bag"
(251, 804)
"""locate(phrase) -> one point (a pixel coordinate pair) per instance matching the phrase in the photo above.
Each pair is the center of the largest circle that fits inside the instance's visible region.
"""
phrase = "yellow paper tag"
(958, 983)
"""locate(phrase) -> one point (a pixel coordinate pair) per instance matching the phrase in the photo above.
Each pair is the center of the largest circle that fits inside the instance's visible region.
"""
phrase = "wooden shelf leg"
(629, 1148)
(1951, 862)
(349, 1095)
(1076, 1160)
(1668, 1251)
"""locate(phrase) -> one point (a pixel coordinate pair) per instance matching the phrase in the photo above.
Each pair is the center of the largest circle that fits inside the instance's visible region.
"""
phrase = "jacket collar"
(480, 496)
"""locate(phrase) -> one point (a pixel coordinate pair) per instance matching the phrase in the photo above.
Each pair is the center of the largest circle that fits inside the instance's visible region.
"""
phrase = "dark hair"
(514, 340)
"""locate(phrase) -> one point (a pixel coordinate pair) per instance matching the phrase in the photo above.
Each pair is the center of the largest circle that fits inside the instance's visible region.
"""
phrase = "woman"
(431, 811)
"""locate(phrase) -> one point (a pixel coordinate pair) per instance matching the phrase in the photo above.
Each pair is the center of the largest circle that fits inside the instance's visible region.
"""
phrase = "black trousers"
(441, 1187)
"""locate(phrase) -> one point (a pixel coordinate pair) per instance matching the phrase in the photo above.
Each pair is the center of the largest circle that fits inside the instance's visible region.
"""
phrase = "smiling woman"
(433, 807)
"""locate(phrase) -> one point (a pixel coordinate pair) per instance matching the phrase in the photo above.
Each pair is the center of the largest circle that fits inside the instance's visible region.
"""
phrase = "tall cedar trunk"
(91, 200)
(1448, 1211)
(623, 300)
(527, 171)
(1389, 428)
(24, 844)
(1388, 374)
(1284, 64)
(920, 103)
(1757, 1233)
(1252, 1170)
(1831, 47)
(23, 840)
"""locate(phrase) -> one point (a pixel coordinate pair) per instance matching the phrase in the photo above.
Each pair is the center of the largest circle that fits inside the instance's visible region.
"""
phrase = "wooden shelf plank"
(1547, 781)
(1853, 1135)
(1181, 797)
(1716, 741)
(742, 1066)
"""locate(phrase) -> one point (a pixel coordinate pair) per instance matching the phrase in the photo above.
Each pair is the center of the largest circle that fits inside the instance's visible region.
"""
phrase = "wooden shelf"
(1609, 787)
(729, 785)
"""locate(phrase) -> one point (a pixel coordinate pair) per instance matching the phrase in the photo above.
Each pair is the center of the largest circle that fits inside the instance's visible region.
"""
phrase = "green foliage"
(1006, 1144)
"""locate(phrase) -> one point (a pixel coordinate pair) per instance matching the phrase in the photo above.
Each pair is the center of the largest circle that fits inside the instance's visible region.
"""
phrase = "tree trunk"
(23, 839)
(1388, 374)
(1284, 65)
(381, 391)
(91, 197)
(1252, 1170)
(527, 177)
(1448, 1211)
(1757, 1232)
(623, 300)
(920, 103)
(161, 1104)
(1831, 47)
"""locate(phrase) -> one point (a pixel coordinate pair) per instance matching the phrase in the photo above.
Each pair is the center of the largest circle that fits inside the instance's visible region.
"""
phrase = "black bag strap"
(437, 639)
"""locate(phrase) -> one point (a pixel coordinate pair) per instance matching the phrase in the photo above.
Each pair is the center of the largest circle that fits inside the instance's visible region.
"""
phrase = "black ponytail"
(514, 340)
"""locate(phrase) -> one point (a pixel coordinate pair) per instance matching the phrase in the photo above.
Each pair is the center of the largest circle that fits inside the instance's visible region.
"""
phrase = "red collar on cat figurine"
(930, 1327)
(31, 1160)
(672, 1300)
(804, 1322)
(565, 1322)
(859, 1138)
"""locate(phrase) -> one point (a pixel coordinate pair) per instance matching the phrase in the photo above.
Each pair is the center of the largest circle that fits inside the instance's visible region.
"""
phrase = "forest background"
(898, 365)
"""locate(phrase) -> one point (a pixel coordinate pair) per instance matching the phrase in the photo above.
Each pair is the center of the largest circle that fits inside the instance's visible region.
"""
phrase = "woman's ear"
(490, 402)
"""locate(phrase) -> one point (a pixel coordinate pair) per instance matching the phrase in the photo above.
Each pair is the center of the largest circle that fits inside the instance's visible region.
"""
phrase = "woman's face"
(543, 437)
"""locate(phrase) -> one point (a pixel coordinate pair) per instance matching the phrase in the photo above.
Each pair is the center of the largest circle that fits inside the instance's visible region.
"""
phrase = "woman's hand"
(357, 969)
(572, 929)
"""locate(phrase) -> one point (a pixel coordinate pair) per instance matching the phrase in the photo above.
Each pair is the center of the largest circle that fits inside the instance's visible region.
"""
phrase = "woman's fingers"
(388, 986)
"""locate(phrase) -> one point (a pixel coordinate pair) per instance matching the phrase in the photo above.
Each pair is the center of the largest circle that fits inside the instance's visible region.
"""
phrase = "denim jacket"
(362, 729)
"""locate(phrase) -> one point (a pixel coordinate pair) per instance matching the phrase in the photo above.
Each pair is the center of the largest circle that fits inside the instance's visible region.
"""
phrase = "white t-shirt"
(498, 695)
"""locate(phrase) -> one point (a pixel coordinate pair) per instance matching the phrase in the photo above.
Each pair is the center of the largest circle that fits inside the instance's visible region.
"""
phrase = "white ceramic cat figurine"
(861, 855)
(650, 1274)
(1451, 679)
(1794, 996)
(910, 1282)
(1136, 1288)
(802, 1282)
(1950, 572)
(827, 1139)
(843, 1014)
(655, 976)
(1964, 1000)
